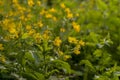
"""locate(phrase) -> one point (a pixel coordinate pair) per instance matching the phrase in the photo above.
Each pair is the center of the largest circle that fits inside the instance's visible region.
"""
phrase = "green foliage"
(62, 65)
(35, 45)
(87, 64)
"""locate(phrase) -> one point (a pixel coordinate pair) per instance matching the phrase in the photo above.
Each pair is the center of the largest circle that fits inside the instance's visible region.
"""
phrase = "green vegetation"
(59, 39)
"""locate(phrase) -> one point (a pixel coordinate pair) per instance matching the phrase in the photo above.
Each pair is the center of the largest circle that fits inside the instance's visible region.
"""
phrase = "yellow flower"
(46, 34)
(1, 47)
(37, 37)
(62, 29)
(43, 12)
(77, 14)
(78, 46)
(28, 27)
(52, 10)
(11, 25)
(15, 1)
(30, 3)
(66, 57)
(12, 30)
(82, 43)
(62, 5)
(11, 13)
(39, 3)
(31, 32)
(22, 17)
(69, 15)
(76, 27)
(6, 24)
(72, 40)
(67, 10)
(40, 24)
(1, 2)
(2, 58)
(29, 16)
(60, 52)
(20, 9)
(57, 41)
(54, 18)
(48, 15)
(76, 51)
(7, 38)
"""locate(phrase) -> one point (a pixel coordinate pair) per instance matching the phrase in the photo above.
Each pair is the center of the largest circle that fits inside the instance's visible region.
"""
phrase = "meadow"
(59, 39)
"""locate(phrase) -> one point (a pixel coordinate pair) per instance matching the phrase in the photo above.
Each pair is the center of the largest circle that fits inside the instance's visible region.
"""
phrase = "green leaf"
(102, 78)
(101, 4)
(37, 57)
(97, 53)
(77, 73)
(87, 63)
(39, 47)
(29, 56)
(52, 72)
(39, 76)
(25, 35)
(30, 76)
(21, 58)
(62, 65)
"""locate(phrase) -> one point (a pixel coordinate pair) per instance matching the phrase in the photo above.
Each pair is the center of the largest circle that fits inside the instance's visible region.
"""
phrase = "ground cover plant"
(59, 39)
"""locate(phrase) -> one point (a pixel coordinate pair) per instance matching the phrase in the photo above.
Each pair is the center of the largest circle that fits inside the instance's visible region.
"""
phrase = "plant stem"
(85, 77)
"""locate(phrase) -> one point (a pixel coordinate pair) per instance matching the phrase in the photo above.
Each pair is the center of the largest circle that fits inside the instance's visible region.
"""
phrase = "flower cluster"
(32, 28)
(33, 22)
(60, 39)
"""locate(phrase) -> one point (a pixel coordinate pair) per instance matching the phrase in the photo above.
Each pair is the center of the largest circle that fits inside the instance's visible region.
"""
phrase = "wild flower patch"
(59, 39)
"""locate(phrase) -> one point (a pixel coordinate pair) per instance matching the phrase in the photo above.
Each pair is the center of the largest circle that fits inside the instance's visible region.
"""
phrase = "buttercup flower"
(15, 1)
(76, 27)
(37, 37)
(57, 42)
(52, 10)
(30, 3)
(66, 57)
(69, 15)
(62, 29)
(43, 12)
(1, 47)
(62, 5)
(60, 52)
(72, 40)
(48, 15)
(76, 51)
(28, 27)
(2, 58)
(82, 43)
(39, 3)
(46, 34)
(54, 18)
(67, 10)
(40, 24)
